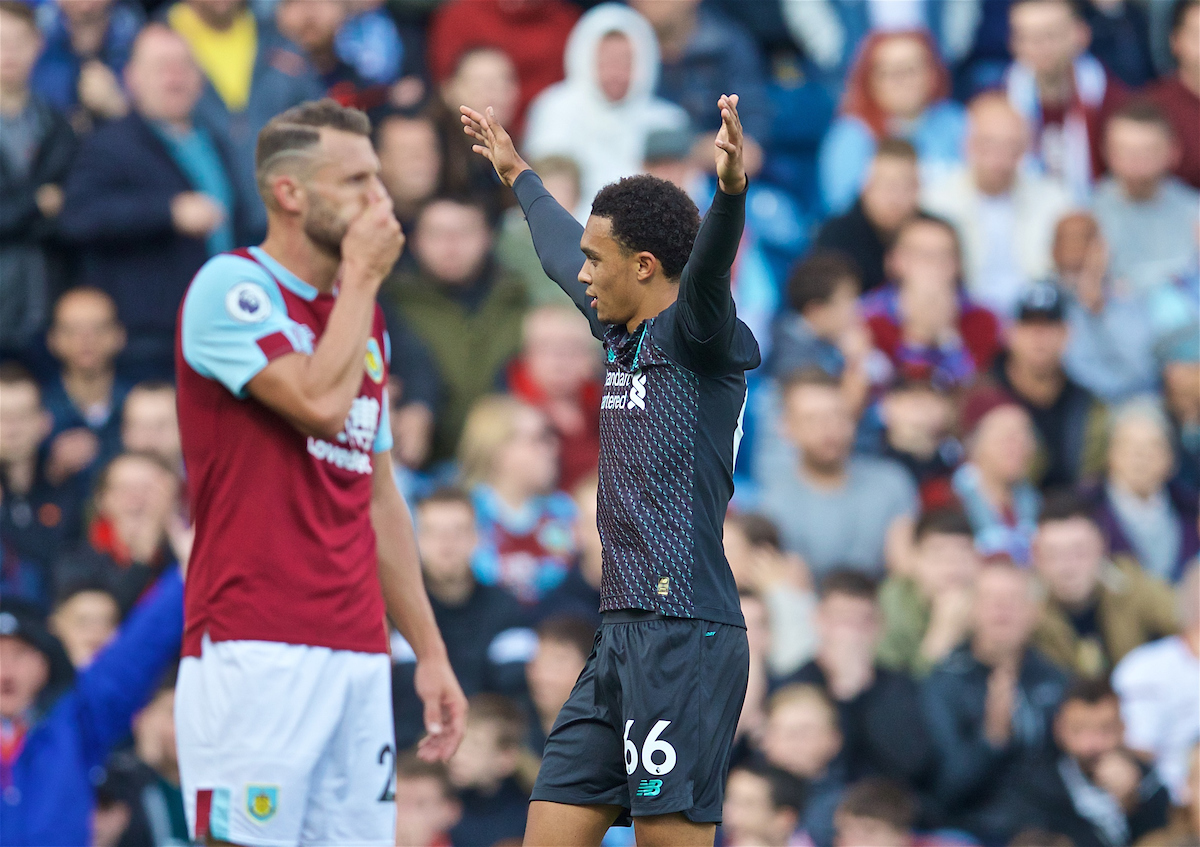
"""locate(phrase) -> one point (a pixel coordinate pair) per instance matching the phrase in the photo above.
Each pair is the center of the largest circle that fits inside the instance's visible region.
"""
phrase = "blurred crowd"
(965, 526)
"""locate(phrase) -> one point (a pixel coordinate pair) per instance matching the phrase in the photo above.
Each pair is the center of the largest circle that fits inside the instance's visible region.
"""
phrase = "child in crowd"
(150, 422)
(802, 738)
(918, 417)
(85, 619)
(563, 646)
(762, 807)
(484, 770)
(427, 807)
(880, 813)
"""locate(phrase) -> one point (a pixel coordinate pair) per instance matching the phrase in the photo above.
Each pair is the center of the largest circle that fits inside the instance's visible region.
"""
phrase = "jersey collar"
(283, 276)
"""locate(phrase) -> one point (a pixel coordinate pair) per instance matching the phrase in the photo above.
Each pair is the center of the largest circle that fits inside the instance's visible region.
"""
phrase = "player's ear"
(647, 263)
(288, 192)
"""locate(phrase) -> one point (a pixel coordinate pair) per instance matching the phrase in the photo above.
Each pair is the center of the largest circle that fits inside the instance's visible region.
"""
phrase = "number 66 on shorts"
(651, 746)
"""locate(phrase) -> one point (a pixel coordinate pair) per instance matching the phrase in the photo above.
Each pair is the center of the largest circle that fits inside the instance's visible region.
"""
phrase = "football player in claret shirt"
(284, 718)
(648, 730)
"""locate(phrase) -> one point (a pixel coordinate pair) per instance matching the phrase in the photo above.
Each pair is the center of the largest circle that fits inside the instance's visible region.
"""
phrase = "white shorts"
(284, 744)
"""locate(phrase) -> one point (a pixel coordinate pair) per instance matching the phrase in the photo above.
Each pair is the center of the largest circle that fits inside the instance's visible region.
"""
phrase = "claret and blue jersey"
(284, 547)
(670, 420)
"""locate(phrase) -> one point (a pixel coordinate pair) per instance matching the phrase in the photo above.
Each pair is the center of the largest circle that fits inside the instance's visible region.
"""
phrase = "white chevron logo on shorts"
(637, 391)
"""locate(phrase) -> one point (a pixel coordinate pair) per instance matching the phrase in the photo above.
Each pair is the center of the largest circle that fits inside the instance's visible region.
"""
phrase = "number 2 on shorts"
(653, 744)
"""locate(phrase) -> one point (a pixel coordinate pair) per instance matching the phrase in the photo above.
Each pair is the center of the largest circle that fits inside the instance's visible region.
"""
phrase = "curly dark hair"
(651, 214)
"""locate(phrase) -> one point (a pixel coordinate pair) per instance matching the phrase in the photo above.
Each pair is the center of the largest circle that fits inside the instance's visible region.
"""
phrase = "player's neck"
(293, 250)
(661, 294)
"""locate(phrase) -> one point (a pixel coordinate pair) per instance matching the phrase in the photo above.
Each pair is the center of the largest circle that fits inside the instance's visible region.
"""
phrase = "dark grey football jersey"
(670, 420)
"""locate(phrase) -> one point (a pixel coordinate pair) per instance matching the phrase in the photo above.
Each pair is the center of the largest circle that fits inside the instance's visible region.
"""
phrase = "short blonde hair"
(490, 425)
(803, 694)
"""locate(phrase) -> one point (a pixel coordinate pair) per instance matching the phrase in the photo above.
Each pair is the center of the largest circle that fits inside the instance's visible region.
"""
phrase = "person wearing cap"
(57, 727)
(1070, 421)
(993, 485)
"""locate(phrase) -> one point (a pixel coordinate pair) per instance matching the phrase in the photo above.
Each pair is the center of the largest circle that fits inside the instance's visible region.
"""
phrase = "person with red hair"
(897, 87)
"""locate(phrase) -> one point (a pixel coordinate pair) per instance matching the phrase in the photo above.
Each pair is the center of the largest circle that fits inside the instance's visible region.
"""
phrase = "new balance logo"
(649, 788)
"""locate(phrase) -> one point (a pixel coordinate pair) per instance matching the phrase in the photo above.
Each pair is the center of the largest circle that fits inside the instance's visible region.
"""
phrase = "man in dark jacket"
(150, 198)
(989, 706)
(36, 146)
(62, 731)
(1097, 792)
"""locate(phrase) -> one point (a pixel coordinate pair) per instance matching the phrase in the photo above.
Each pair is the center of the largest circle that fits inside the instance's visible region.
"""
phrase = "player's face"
(610, 273)
(343, 181)
(24, 672)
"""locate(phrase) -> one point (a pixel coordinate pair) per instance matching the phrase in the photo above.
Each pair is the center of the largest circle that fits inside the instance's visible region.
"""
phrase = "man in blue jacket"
(56, 732)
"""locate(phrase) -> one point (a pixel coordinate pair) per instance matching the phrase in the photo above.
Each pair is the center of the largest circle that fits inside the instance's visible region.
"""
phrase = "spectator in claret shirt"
(922, 321)
(558, 372)
(508, 457)
(1178, 95)
(1062, 90)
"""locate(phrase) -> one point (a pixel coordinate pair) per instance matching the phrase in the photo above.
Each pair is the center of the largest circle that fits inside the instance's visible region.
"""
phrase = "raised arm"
(556, 233)
(705, 301)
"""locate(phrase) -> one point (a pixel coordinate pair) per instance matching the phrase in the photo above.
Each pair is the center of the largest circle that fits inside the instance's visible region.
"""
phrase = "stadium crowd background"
(965, 526)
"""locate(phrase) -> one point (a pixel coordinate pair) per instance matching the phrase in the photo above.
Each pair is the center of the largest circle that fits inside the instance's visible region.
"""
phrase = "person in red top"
(1178, 95)
(557, 372)
(532, 32)
(302, 541)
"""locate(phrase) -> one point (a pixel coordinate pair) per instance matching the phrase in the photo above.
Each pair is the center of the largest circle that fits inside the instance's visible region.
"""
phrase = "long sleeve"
(556, 236)
(705, 299)
(967, 761)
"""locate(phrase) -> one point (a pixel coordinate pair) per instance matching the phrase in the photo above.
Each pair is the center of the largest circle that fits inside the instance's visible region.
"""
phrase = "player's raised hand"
(445, 709)
(731, 165)
(372, 243)
(493, 142)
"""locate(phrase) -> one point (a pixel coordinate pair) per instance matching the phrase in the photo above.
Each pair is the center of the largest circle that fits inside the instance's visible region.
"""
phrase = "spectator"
(1097, 608)
(372, 42)
(1181, 391)
(38, 517)
(509, 461)
(1140, 511)
(1121, 39)
(514, 244)
(578, 595)
(86, 396)
(1034, 837)
(921, 321)
(897, 87)
(22, 579)
(879, 711)
(313, 25)
(1069, 419)
(87, 45)
(753, 717)
(1178, 95)
(835, 508)
(603, 112)
(1004, 215)
(705, 54)
(882, 813)
(1159, 685)
(1062, 90)
(762, 806)
(927, 614)
(135, 532)
(1099, 793)
(156, 767)
(563, 647)
(85, 619)
(532, 33)
(63, 728)
(253, 74)
(150, 197)
(427, 807)
(482, 625)
(410, 161)
(918, 419)
(465, 309)
(1110, 340)
(990, 705)
(484, 772)
(890, 190)
(823, 328)
(783, 584)
(1184, 826)
(994, 485)
(36, 146)
(1148, 217)
(802, 739)
(150, 423)
(558, 372)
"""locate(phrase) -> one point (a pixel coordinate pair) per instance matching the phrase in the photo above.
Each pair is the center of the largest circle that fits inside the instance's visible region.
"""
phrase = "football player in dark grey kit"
(647, 731)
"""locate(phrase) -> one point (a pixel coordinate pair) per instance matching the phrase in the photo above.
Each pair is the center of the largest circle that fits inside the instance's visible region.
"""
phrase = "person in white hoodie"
(602, 113)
